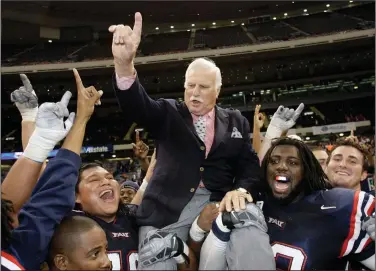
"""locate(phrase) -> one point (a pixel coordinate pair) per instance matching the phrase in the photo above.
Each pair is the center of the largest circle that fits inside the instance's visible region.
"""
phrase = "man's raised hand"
(87, 98)
(140, 149)
(124, 45)
(25, 99)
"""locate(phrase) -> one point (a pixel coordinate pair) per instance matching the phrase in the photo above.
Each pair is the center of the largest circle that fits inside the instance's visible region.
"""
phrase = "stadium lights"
(285, 14)
(188, 30)
(49, 41)
(242, 23)
(192, 24)
(355, 87)
(157, 28)
(341, 134)
(351, 1)
(327, 5)
(114, 156)
(232, 22)
(171, 26)
(293, 2)
(213, 23)
(274, 18)
(325, 11)
(305, 10)
(307, 138)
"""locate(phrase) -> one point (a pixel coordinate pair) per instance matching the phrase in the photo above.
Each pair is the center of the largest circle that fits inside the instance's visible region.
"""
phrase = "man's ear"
(61, 262)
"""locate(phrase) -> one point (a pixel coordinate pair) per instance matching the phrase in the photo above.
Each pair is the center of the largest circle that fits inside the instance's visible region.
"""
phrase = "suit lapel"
(220, 126)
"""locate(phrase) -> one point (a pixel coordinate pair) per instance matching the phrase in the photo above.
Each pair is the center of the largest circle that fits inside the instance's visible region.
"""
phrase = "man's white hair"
(205, 63)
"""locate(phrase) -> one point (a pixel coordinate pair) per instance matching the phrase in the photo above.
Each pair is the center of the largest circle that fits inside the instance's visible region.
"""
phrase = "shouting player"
(309, 226)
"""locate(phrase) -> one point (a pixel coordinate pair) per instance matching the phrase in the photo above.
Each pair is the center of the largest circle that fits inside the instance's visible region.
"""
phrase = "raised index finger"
(66, 97)
(137, 136)
(78, 79)
(137, 27)
(26, 82)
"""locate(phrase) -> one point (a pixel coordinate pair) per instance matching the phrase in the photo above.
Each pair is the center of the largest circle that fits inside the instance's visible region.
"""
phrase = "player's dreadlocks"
(6, 222)
(314, 178)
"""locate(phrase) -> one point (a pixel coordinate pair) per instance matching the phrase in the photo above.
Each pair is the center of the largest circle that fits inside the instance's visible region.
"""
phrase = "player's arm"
(23, 176)
(258, 123)
(53, 196)
(282, 120)
(132, 97)
(149, 173)
(201, 226)
(18, 184)
(358, 245)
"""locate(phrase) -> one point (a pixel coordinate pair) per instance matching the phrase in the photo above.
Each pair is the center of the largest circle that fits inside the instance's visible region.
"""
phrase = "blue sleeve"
(52, 198)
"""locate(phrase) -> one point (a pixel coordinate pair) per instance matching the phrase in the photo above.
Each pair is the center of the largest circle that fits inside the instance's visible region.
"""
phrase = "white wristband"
(143, 185)
(39, 147)
(180, 259)
(273, 132)
(28, 114)
(196, 233)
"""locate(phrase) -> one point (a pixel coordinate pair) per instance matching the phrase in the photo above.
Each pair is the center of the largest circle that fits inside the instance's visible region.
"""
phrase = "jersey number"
(115, 258)
(295, 256)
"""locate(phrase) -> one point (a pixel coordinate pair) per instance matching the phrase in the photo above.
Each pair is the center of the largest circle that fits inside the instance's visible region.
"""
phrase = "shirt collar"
(209, 115)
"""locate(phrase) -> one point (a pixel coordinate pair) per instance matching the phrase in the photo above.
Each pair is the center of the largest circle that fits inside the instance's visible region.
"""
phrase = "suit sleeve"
(248, 168)
(137, 106)
(52, 199)
(358, 245)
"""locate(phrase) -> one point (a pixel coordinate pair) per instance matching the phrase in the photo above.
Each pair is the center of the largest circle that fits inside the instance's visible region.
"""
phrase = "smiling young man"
(347, 165)
(309, 226)
(79, 243)
(98, 197)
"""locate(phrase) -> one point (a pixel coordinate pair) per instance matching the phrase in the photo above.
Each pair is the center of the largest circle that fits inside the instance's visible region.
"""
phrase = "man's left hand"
(369, 226)
(235, 200)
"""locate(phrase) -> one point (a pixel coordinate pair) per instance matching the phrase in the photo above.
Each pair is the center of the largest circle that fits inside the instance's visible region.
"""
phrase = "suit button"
(201, 169)
(192, 190)
(202, 148)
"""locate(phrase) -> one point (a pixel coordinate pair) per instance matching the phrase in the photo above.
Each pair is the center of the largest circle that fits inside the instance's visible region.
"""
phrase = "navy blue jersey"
(322, 231)
(122, 238)
(52, 198)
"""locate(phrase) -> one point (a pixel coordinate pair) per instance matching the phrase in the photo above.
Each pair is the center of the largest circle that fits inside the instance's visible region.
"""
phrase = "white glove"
(282, 120)
(49, 128)
(26, 100)
(369, 226)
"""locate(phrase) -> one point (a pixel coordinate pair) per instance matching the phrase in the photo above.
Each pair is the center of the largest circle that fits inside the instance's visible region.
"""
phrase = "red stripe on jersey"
(372, 208)
(352, 224)
(12, 259)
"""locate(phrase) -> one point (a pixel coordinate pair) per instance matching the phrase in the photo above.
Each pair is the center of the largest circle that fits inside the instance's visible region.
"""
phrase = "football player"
(310, 226)
(79, 243)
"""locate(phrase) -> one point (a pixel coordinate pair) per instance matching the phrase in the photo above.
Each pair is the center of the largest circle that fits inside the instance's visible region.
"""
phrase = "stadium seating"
(358, 17)
(221, 37)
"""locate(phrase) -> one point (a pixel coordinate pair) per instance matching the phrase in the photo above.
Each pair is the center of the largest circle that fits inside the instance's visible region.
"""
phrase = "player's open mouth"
(194, 102)
(281, 184)
(107, 195)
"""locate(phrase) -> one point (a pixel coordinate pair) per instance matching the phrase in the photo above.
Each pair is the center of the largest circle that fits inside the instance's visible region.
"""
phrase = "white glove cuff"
(196, 233)
(273, 132)
(39, 146)
(28, 114)
(180, 259)
(143, 185)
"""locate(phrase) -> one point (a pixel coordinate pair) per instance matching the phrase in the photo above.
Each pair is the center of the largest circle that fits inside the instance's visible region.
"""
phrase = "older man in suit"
(204, 152)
